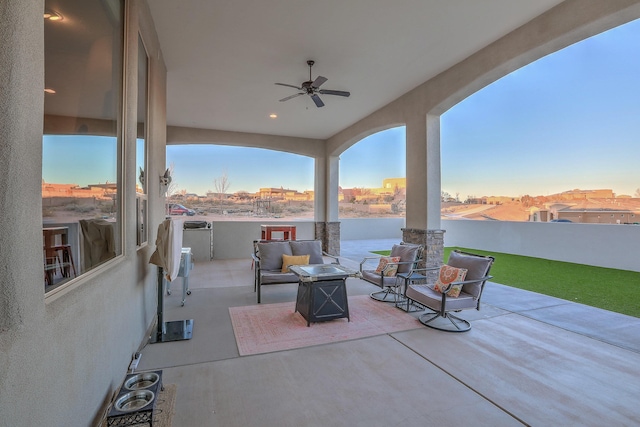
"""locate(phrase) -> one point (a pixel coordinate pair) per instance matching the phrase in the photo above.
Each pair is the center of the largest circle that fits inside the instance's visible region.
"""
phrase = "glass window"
(82, 156)
(141, 153)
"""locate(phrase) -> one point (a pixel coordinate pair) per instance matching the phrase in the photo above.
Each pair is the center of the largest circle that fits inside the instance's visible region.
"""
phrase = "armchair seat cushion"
(433, 299)
(373, 277)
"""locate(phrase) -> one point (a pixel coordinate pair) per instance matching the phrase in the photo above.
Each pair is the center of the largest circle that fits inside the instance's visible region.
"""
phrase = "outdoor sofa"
(268, 260)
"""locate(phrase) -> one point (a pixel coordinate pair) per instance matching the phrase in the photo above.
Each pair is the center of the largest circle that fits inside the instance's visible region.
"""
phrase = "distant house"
(498, 200)
(600, 211)
(285, 194)
(476, 200)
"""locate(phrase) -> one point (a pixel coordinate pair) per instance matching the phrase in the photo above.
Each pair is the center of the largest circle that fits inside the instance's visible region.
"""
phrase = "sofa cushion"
(407, 253)
(277, 277)
(271, 254)
(288, 260)
(313, 248)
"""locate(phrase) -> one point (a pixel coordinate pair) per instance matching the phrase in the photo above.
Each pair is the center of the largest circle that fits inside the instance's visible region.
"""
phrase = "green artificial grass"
(607, 288)
(383, 253)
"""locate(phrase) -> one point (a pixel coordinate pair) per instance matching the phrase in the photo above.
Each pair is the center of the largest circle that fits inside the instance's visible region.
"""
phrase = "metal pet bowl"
(134, 400)
(141, 381)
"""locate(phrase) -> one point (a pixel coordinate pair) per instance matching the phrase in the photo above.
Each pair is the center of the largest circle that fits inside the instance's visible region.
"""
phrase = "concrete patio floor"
(529, 359)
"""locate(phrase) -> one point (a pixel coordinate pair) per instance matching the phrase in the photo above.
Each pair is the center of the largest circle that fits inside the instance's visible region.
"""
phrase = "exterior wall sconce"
(165, 180)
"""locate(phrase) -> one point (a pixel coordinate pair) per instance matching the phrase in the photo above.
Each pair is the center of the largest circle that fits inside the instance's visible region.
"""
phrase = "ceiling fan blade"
(317, 100)
(284, 84)
(318, 81)
(292, 96)
(334, 92)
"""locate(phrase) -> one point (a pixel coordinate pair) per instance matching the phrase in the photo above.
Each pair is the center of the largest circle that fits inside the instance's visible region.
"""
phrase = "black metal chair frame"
(430, 314)
(391, 290)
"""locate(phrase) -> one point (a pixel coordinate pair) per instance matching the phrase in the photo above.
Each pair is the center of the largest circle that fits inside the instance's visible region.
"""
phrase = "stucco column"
(423, 172)
(327, 176)
(424, 186)
(320, 189)
(21, 112)
(417, 191)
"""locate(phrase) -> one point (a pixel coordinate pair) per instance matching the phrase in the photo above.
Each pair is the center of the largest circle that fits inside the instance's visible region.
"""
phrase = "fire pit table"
(322, 291)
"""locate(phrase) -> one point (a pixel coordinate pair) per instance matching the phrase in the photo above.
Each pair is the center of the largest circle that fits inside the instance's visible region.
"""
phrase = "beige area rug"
(266, 328)
(165, 408)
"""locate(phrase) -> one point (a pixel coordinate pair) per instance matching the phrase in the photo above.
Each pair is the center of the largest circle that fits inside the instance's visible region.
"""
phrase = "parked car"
(176, 209)
(561, 220)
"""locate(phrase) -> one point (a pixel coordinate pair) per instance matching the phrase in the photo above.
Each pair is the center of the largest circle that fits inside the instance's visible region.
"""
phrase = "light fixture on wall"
(165, 180)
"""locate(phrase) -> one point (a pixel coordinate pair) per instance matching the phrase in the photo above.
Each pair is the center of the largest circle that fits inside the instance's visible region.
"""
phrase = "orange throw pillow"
(288, 260)
(385, 268)
(447, 276)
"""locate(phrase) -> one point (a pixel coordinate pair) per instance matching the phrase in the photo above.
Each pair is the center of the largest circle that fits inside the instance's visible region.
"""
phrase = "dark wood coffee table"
(322, 291)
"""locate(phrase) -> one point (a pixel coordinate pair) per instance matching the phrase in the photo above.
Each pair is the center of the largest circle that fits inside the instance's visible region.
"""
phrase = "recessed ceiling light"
(52, 15)
(47, 90)
(273, 116)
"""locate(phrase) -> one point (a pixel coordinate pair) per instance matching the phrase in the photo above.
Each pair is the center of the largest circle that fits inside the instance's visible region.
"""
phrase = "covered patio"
(529, 359)
(210, 73)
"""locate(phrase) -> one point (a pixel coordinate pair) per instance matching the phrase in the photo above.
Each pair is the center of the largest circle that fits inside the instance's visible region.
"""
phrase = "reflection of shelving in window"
(82, 156)
(141, 215)
(59, 264)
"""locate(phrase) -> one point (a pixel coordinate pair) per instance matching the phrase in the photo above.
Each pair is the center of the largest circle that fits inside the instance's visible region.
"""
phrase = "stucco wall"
(371, 228)
(602, 245)
(62, 356)
(234, 239)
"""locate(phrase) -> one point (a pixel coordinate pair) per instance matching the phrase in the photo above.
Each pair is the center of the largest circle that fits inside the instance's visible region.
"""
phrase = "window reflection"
(81, 173)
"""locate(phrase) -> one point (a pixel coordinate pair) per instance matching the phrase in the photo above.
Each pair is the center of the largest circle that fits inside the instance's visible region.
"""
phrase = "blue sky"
(569, 120)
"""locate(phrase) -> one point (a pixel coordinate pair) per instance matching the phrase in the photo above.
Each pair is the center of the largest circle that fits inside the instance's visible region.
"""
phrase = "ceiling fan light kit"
(312, 88)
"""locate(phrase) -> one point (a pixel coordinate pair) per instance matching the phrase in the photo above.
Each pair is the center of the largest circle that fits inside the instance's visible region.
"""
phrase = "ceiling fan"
(312, 88)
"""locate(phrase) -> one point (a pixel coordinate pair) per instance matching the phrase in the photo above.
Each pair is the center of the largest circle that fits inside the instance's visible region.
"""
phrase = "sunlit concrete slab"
(539, 373)
(517, 300)
(220, 274)
(603, 325)
(369, 382)
(213, 337)
(513, 368)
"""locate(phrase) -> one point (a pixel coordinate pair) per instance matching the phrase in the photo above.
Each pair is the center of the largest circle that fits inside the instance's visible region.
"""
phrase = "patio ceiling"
(223, 57)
